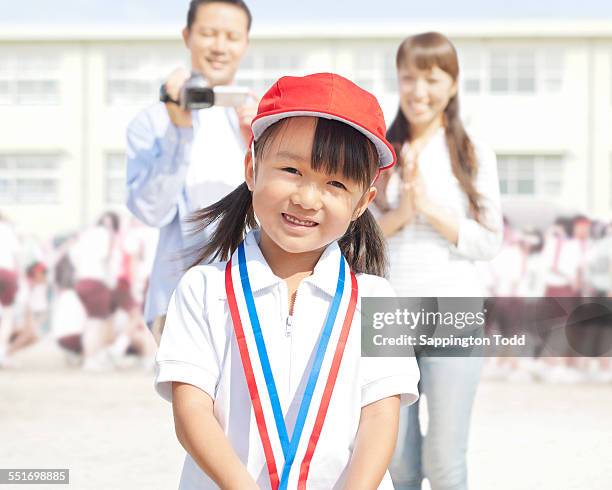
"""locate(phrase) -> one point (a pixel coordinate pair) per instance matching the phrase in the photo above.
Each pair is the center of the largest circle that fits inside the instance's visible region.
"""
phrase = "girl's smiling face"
(299, 208)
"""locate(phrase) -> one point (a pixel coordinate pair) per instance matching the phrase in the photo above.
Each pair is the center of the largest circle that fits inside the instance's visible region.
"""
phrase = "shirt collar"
(324, 276)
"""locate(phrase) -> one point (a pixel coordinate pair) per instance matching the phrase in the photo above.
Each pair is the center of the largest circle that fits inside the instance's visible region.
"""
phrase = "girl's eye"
(291, 170)
(337, 184)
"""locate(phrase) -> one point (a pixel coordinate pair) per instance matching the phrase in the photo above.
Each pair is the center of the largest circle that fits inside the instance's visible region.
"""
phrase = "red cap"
(330, 96)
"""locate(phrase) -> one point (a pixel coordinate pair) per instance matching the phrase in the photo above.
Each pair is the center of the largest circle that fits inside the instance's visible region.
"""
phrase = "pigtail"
(234, 216)
(364, 247)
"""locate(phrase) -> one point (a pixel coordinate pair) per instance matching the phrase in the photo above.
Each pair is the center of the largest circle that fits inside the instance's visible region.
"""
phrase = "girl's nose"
(307, 196)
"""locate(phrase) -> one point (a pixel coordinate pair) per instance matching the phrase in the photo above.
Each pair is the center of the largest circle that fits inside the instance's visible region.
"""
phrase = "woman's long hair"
(337, 148)
(426, 51)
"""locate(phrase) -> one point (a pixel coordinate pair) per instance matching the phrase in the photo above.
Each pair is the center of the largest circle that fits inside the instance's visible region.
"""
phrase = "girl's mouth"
(298, 222)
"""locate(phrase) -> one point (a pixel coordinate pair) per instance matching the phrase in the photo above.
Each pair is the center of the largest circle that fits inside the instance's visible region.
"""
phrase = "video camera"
(196, 94)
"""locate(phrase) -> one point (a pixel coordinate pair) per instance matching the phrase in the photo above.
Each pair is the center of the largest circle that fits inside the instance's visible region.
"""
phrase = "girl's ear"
(364, 202)
(249, 173)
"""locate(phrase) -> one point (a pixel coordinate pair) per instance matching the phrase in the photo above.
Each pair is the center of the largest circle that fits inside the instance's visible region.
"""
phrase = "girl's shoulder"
(374, 286)
(205, 280)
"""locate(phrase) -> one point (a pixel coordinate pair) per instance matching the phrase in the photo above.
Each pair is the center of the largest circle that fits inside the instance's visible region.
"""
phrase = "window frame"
(543, 171)
(14, 173)
(20, 67)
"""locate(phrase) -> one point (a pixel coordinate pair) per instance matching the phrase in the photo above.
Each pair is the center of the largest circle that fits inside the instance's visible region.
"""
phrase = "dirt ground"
(114, 432)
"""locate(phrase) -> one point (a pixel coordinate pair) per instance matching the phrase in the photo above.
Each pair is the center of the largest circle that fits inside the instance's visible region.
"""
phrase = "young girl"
(260, 355)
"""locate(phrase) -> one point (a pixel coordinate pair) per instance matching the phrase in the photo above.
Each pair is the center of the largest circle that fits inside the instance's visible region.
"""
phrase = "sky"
(61, 12)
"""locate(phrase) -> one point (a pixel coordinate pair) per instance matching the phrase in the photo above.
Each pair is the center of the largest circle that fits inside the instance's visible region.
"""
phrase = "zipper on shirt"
(288, 335)
(289, 321)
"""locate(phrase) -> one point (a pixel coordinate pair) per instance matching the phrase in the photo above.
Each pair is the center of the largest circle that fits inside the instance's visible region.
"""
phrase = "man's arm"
(374, 444)
(158, 151)
(202, 437)
(158, 155)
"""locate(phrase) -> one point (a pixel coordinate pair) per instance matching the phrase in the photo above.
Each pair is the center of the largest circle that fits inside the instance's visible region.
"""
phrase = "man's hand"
(246, 113)
(179, 117)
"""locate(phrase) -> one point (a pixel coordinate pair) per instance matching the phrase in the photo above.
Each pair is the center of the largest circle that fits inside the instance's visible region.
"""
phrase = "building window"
(134, 78)
(115, 178)
(390, 83)
(374, 69)
(531, 175)
(471, 64)
(259, 71)
(512, 71)
(30, 179)
(29, 79)
(551, 75)
(367, 69)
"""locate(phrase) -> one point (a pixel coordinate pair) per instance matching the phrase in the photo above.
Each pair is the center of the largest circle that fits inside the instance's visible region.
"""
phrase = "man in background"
(180, 161)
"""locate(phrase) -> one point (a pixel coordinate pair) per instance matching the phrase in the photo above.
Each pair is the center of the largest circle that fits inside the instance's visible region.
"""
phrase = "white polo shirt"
(198, 347)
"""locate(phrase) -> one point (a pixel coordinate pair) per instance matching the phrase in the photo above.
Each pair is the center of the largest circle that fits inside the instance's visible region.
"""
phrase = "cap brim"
(386, 155)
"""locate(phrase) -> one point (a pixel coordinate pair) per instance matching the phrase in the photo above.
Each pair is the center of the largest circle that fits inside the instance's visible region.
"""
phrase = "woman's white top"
(198, 347)
(422, 261)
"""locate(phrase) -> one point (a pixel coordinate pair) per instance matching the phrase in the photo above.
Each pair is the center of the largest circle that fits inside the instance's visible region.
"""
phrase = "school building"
(540, 92)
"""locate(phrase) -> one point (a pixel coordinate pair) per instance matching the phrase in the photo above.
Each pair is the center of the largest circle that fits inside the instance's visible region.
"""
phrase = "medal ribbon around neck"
(289, 446)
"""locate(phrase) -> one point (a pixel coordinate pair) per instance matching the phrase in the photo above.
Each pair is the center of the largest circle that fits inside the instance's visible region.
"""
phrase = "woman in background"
(440, 212)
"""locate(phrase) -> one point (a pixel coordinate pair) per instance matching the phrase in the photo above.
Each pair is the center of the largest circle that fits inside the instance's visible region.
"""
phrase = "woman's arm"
(442, 220)
(395, 219)
(201, 435)
(476, 240)
(481, 239)
(374, 444)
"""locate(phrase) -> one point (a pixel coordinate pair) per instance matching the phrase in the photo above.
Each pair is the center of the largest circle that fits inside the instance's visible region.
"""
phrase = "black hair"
(565, 223)
(337, 148)
(114, 218)
(195, 4)
(64, 273)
